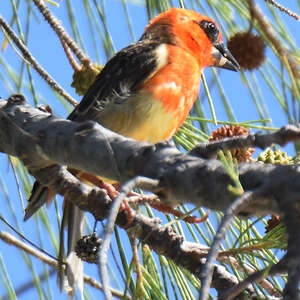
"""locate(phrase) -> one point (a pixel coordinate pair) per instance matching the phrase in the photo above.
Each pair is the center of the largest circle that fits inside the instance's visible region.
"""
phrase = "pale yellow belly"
(141, 118)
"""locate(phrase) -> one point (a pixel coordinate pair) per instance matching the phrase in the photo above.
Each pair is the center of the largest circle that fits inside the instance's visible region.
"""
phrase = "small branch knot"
(17, 98)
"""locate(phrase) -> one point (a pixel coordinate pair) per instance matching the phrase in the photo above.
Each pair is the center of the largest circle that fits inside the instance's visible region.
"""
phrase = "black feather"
(119, 79)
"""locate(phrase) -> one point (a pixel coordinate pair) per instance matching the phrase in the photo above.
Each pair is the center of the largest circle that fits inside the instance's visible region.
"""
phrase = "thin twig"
(264, 282)
(206, 274)
(69, 56)
(269, 32)
(17, 182)
(139, 279)
(284, 9)
(141, 182)
(11, 240)
(281, 137)
(97, 285)
(257, 276)
(62, 34)
(25, 239)
(42, 72)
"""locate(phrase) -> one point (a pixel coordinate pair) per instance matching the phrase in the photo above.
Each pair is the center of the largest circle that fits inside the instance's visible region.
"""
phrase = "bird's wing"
(120, 79)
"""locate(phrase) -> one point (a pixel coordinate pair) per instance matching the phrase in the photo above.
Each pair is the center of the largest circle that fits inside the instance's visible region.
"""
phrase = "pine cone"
(242, 154)
(87, 248)
(248, 49)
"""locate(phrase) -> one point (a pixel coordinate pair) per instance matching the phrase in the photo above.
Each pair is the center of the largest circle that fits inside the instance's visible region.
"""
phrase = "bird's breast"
(162, 102)
(175, 87)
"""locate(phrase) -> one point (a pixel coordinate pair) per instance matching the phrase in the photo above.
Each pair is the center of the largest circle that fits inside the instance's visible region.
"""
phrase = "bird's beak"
(223, 58)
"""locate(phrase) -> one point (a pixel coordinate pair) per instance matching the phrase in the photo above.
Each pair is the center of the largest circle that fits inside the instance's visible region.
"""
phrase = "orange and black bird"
(146, 90)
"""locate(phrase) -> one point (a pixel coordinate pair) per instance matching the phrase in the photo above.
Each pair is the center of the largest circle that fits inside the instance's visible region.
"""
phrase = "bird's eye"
(210, 29)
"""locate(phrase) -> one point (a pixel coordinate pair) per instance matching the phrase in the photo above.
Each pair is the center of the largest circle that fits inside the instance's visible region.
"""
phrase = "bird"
(146, 90)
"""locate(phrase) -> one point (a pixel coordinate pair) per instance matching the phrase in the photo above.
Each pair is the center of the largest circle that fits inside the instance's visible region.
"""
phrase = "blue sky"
(46, 49)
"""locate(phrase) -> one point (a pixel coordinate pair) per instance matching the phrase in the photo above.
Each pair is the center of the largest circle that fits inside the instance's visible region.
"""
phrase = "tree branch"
(46, 143)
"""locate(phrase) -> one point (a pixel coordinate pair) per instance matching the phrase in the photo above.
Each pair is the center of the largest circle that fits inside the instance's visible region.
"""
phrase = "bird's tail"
(40, 195)
(72, 275)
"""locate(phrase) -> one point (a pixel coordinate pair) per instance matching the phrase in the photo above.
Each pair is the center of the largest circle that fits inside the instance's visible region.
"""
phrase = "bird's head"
(195, 33)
